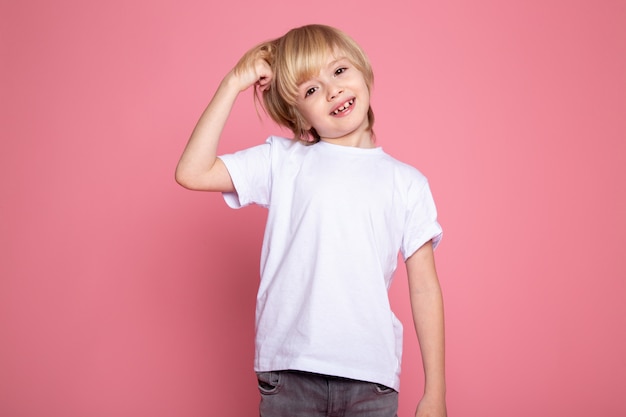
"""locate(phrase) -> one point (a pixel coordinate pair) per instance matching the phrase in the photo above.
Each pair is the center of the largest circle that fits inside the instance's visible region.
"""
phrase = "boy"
(340, 209)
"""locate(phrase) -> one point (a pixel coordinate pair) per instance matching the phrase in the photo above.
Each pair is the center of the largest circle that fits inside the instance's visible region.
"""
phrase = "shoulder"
(284, 149)
(406, 172)
(282, 143)
(273, 147)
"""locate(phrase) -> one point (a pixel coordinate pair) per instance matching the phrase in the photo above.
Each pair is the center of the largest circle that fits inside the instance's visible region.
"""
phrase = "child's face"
(335, 102)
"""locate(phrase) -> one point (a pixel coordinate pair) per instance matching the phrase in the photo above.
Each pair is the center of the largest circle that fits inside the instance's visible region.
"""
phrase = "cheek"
(307, 112)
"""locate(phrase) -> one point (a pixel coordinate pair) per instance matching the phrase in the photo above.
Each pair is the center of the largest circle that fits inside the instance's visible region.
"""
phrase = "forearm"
(200, 153)
(428, 316)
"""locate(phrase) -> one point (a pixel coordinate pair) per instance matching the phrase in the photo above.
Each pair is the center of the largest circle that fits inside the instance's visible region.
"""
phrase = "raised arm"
(199, 168)
(427, 307)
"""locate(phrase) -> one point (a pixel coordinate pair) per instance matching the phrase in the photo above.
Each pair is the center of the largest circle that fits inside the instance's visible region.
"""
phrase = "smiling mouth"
(345, 106)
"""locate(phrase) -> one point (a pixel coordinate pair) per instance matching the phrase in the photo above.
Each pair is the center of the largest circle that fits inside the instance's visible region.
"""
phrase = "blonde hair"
(296, 57)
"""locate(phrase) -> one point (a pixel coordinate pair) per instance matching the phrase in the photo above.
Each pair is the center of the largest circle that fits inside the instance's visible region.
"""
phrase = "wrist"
(231, 81)
(230, 86)
(435, 390)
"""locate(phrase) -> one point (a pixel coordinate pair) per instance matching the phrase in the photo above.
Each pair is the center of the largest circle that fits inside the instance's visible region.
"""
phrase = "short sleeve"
(250, 171)
(421, 224)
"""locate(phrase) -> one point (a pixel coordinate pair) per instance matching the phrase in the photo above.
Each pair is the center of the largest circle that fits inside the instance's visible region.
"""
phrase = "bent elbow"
(185, 180)
(216, 179)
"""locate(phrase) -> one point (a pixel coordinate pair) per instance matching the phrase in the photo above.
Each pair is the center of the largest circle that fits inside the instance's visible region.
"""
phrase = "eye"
(340, 70)
(309, 91)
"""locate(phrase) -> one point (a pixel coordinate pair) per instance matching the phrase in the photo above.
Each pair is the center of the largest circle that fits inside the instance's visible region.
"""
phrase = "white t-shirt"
(338, 216)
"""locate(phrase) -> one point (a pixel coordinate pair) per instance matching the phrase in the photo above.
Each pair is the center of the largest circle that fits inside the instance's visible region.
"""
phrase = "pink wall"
(121, 294)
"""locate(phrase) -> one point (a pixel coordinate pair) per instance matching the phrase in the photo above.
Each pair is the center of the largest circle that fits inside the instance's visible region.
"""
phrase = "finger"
(263, 86)
(263, 69)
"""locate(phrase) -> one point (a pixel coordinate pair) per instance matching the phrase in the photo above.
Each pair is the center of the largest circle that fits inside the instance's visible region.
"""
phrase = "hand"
(431, 407)
(255, 71)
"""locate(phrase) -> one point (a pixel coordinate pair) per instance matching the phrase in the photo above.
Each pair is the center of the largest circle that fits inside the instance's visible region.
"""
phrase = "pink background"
(122, 294)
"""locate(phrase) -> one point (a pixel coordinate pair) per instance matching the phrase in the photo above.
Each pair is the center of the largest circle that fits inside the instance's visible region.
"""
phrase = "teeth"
(344, 106)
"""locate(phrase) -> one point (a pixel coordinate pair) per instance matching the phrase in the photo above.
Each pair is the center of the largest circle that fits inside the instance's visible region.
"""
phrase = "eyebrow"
(336, 61)
(331, 64)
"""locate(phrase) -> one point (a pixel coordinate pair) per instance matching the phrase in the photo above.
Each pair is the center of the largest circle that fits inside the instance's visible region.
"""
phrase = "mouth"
(342, 108)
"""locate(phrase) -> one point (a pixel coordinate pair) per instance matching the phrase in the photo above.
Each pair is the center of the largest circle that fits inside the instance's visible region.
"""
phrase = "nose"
(333, 93)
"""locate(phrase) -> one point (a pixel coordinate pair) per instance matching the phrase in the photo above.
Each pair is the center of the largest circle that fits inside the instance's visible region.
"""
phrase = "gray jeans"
(302, 394)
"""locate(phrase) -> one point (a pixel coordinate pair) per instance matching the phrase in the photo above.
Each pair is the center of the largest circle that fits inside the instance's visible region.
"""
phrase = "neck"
(363, 139)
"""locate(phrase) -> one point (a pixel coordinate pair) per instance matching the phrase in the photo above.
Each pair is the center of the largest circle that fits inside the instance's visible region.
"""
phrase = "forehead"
(311, 67)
